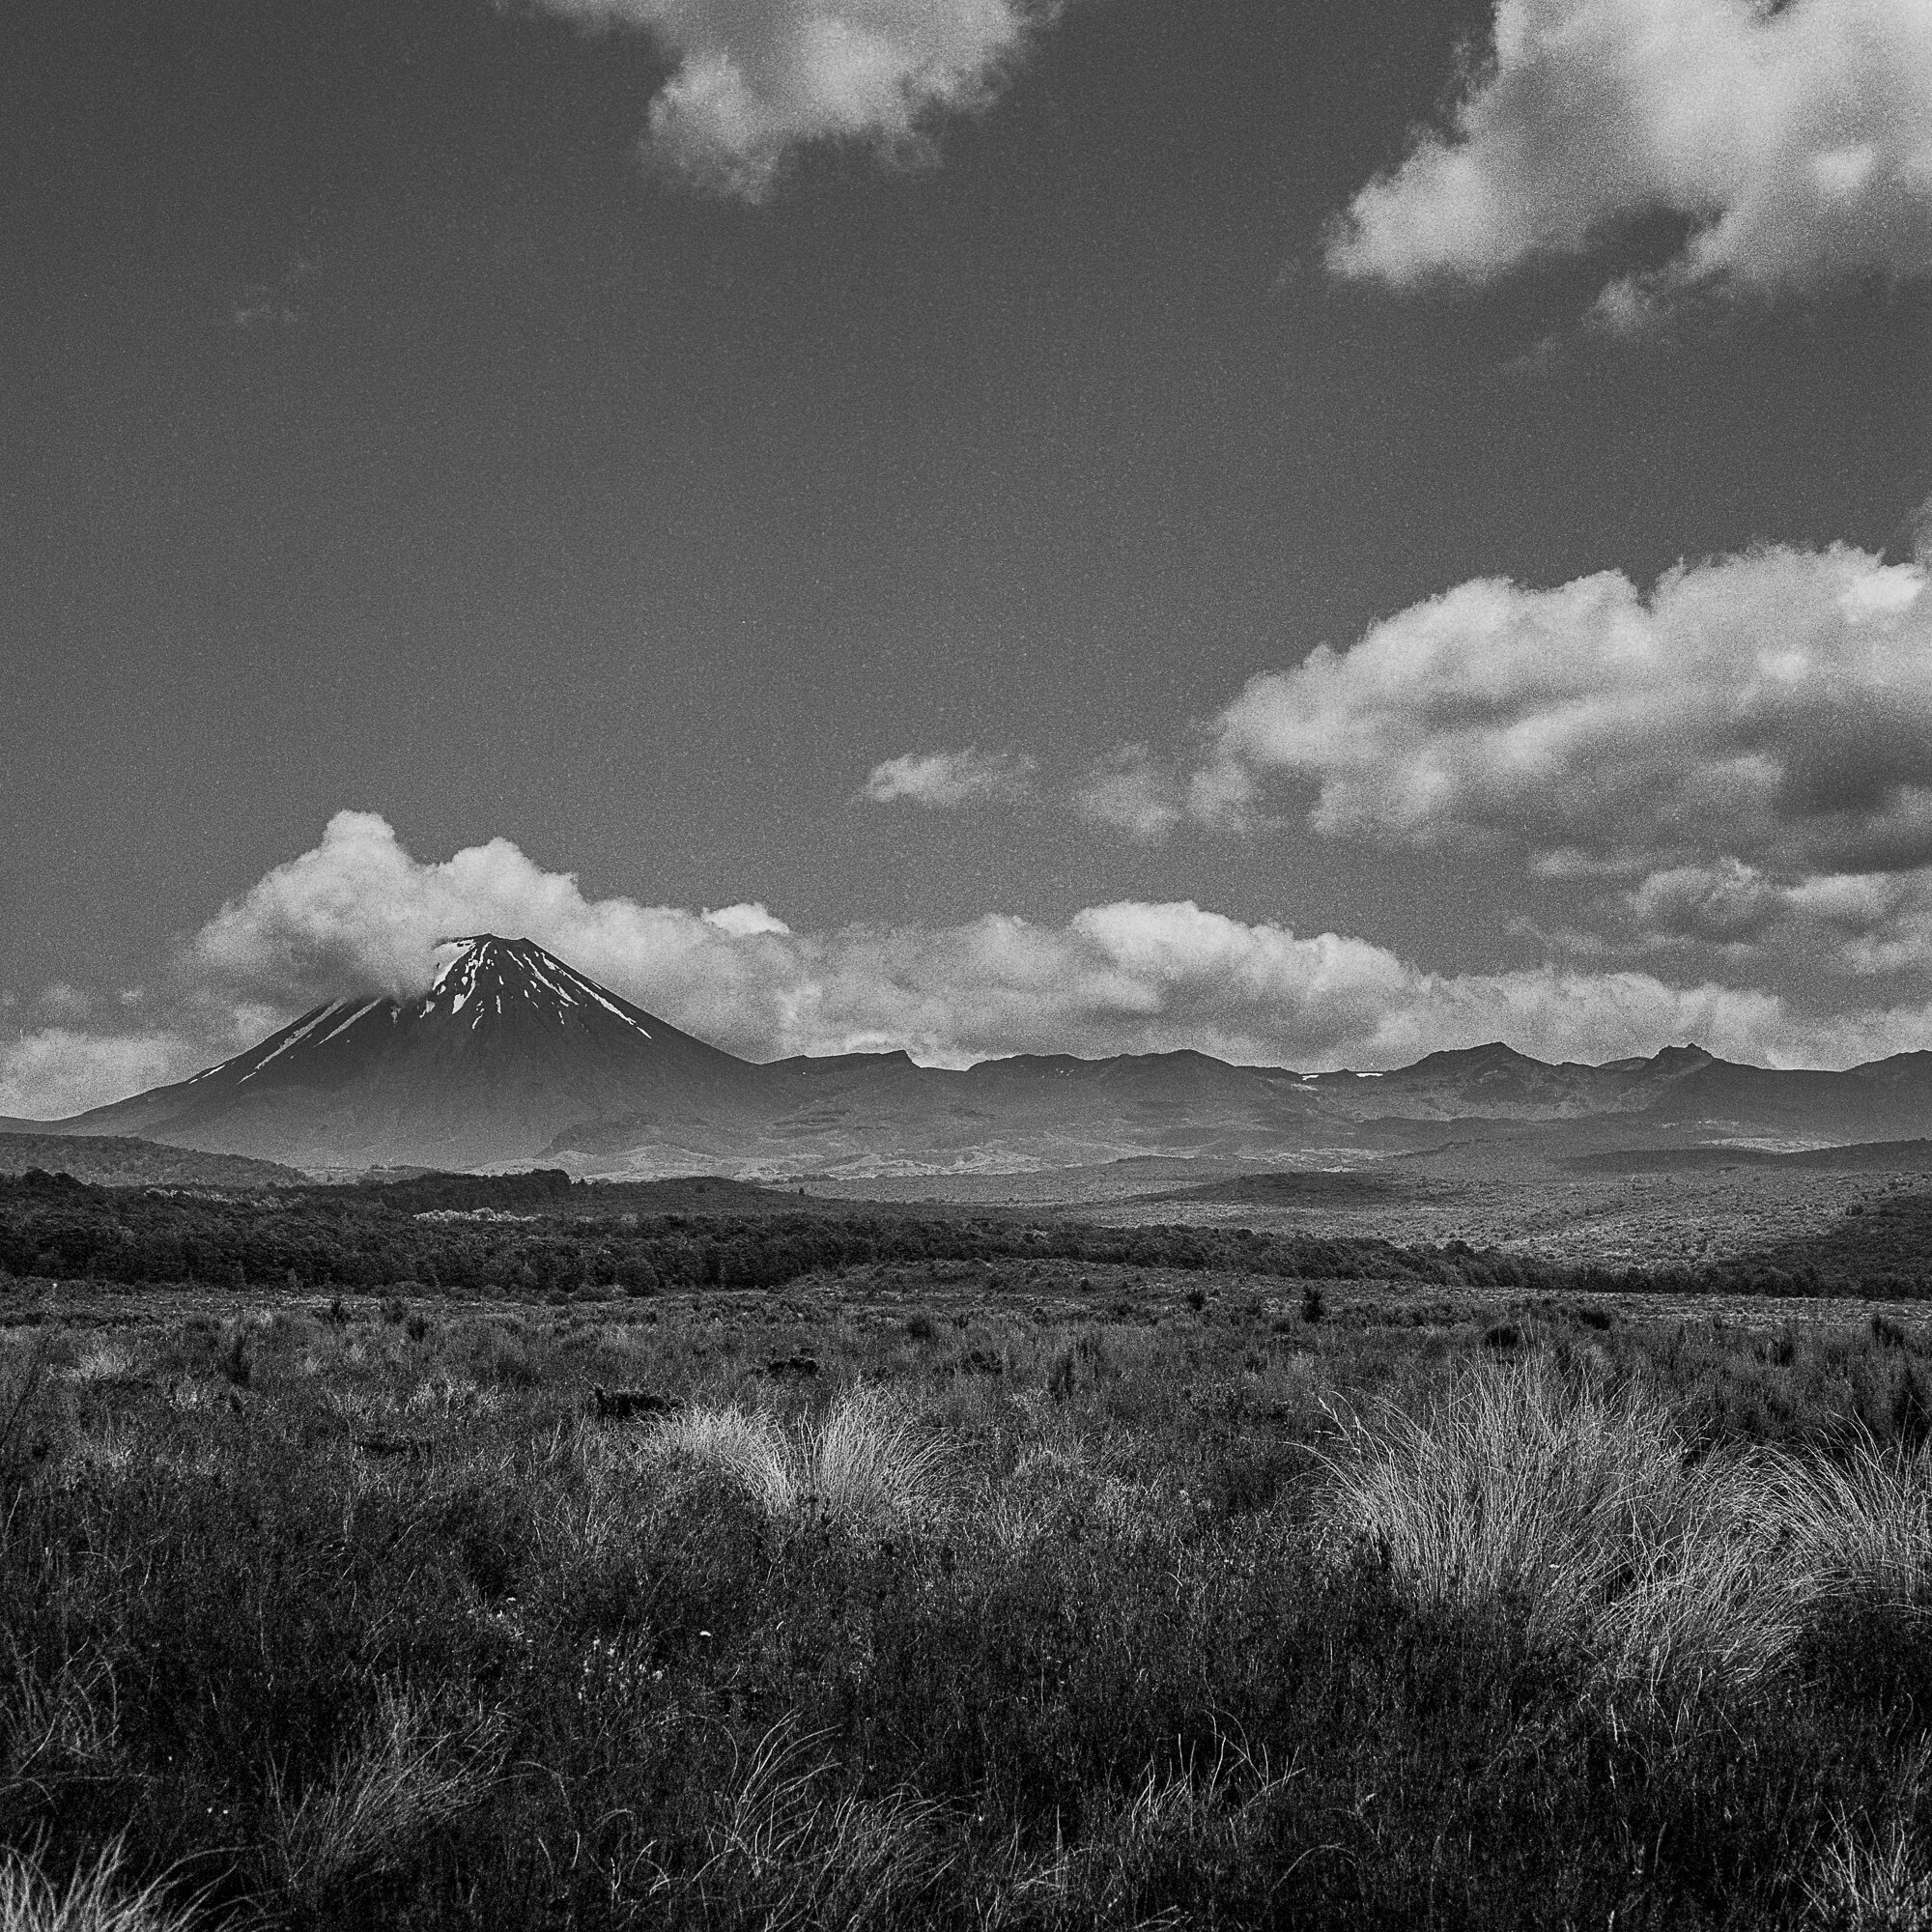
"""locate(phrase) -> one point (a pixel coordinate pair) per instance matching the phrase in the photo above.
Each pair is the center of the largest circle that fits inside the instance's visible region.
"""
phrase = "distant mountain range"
(512, 1058)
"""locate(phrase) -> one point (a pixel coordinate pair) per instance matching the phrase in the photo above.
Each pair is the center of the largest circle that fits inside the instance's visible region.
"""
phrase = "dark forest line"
(540, 1233)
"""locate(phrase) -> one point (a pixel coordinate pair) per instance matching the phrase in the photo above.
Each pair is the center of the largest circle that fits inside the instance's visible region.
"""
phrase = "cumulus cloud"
(945, 780)
(755, 78)
(1795, 140)
(359, 912)
(1774, 708)
(1857, 925)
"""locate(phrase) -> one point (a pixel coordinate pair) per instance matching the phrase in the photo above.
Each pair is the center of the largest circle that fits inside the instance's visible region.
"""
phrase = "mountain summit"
(508, 1050)
(511, 1056)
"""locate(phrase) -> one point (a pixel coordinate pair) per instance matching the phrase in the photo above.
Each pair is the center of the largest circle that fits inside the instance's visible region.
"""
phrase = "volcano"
(513, 1058)
(509, 1049)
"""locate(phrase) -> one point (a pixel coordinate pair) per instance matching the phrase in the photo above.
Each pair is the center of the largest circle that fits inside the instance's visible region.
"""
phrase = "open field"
(957, 1594)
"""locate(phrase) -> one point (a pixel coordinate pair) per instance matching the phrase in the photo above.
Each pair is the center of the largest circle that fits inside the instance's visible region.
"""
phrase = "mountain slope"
(123, 1163)
(513, 1058)
(509, 1048)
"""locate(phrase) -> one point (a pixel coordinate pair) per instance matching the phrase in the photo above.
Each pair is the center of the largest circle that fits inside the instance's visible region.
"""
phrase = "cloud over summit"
(359, 912)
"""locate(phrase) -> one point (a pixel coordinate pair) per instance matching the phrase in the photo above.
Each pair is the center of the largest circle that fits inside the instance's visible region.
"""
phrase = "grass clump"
(864, 1462)
(413, 1771)
(786, 1852)
(1575, 1508)
(97, 1898)
(1864, 1525)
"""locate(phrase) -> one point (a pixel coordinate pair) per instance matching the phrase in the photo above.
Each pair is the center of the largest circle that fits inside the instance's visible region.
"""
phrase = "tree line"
(553, 1236)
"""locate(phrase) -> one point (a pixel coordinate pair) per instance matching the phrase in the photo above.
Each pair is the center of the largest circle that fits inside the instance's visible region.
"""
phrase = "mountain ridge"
(513, 1055)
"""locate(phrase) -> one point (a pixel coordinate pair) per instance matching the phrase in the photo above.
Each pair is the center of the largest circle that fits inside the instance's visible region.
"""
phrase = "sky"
(1314, 533)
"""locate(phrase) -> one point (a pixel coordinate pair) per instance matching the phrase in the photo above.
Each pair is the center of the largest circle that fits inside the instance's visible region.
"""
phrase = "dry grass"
(784, 1856)
(58, 1729)
(865, 1461)
(1872, 1884)
(1873, 1876)
(1204, 1817)
(1865, 1526)
(1574, 1505)
(95, 1899)
(414, 1770)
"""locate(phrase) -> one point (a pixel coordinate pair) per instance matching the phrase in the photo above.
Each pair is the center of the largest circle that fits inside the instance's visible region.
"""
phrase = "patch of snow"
(362, 1013)
(608, 1007)
(294, 1040)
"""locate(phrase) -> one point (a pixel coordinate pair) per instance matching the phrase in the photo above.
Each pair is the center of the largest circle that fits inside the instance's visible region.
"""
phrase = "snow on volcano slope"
(507, 1049)
(512, 1058)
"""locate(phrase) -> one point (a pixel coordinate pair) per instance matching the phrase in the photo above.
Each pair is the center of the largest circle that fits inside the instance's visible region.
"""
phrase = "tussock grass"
(1014, 1721)
(1575, 1506)
(1871, 1883)
(1863, 1525)
(784, 1856)
(57, 1727)
(414, 1770)
(750, 1447)
(1873, 1874)
(97, 1898)
(867, 1460)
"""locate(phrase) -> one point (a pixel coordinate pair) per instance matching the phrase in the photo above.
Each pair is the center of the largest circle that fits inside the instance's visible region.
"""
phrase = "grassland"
(964, 1594)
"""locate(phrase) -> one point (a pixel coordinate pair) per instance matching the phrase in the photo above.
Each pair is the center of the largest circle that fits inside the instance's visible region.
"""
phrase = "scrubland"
(945, 1599)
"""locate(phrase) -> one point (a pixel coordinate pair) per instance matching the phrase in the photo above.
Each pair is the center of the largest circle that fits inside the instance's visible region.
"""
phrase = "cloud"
(1130, 792)
(1854, 925)
(1795, 141)
(742, 922)
(59, 1070)
(755, 78)
(1774, 708)
(359, 912)
(945, 780)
